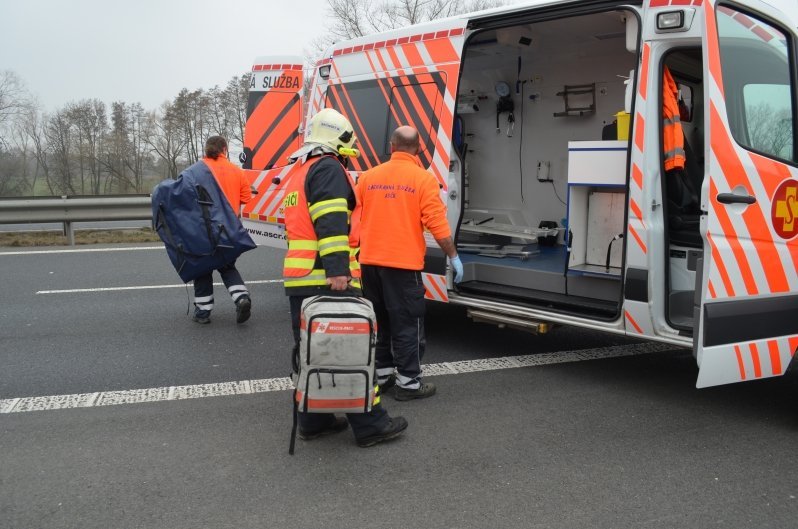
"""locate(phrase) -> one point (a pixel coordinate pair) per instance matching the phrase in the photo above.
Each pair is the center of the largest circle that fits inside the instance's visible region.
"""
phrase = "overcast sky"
(147, 50)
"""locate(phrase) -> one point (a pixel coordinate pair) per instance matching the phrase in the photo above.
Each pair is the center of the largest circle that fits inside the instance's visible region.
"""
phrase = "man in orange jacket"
(236, 188)
(399, 200)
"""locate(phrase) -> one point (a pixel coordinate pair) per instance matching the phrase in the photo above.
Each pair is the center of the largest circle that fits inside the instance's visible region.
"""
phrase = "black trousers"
(363, 424)
(203, 286)
(398, 299)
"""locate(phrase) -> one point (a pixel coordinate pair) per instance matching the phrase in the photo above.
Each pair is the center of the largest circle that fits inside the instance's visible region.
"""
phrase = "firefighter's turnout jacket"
(321, 221)
(399, 199)
(672, 133)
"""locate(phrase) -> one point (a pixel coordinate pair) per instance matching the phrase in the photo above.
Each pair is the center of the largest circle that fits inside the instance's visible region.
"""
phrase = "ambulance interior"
(542, 136)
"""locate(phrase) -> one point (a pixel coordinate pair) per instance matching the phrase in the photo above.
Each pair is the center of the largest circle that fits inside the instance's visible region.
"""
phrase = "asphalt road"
(604, 443)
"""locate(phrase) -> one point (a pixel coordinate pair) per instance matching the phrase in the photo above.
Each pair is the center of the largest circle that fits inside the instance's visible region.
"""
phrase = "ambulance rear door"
(272, 133)
(746, 306)
(406, 76)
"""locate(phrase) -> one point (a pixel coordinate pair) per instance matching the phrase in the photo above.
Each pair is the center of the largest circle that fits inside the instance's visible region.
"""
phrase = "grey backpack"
(334, 371)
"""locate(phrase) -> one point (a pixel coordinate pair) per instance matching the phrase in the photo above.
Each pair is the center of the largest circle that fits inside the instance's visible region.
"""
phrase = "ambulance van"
(544, 126)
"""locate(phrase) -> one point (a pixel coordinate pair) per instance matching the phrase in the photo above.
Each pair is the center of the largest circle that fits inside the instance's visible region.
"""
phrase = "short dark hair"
(215, 147)
(404, 140)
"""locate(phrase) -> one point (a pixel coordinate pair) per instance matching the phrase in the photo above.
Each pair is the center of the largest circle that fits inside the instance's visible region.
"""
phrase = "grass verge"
(53, 238)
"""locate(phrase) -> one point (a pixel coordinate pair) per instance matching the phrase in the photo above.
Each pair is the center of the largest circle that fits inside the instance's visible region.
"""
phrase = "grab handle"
(732, 198)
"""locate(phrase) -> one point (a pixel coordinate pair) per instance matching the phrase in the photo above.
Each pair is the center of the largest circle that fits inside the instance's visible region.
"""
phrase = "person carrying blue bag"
(197, 217)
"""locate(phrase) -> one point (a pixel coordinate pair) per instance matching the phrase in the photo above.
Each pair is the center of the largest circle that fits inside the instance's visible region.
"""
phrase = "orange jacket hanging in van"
(672, 134)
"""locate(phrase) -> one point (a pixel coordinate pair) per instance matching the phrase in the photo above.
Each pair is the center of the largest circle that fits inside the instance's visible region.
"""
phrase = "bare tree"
(357, 18)
(14, 97)
(163, 133)
(236, 95)
(90, 122)
(34, 124)
(769, 129)
(58, 134)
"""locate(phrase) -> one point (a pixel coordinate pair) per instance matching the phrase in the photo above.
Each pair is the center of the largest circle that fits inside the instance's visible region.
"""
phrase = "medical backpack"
(195, 221)
(334, 365)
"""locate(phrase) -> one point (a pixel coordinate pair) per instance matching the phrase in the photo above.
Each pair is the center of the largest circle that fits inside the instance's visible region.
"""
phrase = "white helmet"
(331, 129)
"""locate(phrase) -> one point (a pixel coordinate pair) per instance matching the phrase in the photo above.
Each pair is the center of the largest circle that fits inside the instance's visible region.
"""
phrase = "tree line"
(88, 147)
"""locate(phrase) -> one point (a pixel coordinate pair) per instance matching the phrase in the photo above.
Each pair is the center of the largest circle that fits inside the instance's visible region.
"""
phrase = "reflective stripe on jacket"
(672, 134)
(304, 264)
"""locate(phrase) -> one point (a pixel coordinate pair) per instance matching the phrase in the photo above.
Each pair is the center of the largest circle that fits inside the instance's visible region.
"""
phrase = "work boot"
(423, 391)
(201, 316)
(339, 424)
(393, 429)
(243, 307)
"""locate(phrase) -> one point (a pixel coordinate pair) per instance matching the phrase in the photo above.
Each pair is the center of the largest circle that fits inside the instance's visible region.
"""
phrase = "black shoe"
(201, 316)
(394, 429)
(425, 390)
(243, 307)
(338, 425)
(386, 386)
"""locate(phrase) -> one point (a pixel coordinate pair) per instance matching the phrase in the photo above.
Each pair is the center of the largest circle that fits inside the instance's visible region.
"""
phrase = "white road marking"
(247, 387)
(84, 250)
(144, 287)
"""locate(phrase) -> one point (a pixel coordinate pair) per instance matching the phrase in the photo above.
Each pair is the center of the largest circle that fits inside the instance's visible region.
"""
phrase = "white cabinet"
(596, 204)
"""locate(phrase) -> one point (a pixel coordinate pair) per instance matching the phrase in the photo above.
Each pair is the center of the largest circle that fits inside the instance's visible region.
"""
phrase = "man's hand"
(338, 282)
(457, 265)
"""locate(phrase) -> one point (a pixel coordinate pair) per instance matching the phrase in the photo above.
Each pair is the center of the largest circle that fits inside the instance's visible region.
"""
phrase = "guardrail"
(69, 209)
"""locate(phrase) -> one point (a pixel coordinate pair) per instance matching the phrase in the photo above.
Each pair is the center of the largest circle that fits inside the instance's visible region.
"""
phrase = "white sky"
(147, 50)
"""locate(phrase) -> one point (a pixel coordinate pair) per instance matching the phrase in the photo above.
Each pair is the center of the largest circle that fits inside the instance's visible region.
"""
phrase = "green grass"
(15, 239)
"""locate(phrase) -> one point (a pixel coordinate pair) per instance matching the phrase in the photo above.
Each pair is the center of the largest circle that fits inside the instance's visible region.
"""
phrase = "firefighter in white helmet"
(321, 221)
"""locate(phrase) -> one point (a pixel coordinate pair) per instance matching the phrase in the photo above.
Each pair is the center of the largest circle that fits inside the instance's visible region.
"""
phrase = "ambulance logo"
(785, 209)
(321, 327)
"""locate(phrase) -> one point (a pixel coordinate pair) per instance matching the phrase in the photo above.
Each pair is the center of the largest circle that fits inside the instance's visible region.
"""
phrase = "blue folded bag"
(195, 221)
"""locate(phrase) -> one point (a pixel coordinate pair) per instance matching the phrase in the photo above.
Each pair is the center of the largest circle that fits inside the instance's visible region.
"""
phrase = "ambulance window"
(364, 104)
(417, 103)
(757, 84)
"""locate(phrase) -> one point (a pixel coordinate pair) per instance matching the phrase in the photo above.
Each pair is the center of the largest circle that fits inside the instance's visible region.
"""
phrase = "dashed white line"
(144, 287)
(85, 250)
(246, 387)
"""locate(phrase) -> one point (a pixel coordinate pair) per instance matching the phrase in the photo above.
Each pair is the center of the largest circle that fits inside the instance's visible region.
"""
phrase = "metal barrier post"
(69, 231)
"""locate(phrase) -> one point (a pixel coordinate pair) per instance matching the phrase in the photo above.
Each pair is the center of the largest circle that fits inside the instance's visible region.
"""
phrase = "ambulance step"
(504, 320)
(540, 299)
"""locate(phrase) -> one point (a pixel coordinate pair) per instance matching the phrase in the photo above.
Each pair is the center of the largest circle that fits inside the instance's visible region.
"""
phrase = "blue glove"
(458, 268)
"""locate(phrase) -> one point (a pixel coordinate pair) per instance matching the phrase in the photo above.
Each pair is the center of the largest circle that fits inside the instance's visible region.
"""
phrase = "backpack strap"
(293, 428)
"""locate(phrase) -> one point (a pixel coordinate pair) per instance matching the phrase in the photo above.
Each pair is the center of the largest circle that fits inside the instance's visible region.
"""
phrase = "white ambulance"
(543, 124)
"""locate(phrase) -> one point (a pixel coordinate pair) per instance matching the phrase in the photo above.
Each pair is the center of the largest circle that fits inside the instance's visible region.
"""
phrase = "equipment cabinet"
(596, 203)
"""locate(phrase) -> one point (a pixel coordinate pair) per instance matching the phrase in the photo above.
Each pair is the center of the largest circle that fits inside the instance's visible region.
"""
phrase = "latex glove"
(458, 268)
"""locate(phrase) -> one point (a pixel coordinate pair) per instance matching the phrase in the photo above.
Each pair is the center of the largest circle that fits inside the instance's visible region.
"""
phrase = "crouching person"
(321, 220)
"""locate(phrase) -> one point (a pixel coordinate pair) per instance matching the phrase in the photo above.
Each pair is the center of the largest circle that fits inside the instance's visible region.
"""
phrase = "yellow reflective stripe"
(334, 205)
(376, 400)
(315, 278)
(298, 262)
(303, 245)
(355, 283)
(338, 243)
